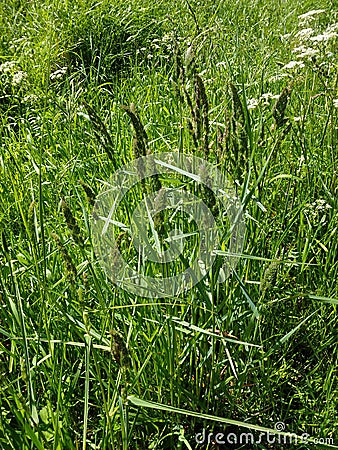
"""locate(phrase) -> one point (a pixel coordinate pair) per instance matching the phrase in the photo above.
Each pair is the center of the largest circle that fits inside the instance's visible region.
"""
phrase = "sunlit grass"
(85, 364)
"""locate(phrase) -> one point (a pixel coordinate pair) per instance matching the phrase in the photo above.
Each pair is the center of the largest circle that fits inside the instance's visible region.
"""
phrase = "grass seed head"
(119, 349)
(202, 104)
(71, 223)
(140, 136)
(237, 107)
(279, 108)
(269, 278)
(89, 193)
(71, 271)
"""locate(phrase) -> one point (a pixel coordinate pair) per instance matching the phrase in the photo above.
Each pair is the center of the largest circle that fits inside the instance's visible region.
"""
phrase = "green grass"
(85, 364)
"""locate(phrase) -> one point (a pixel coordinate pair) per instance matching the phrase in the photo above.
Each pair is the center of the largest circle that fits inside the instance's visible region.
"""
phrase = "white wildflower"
(278, 77)
(301, 48)
(285, 37)
(304, 34)
(7, 66)
(332, 27)
(335, 102)
(31, 98)
(304, 52)
(252, 103)
(18, 77)
(268, 96)
(298, 119)
(323, 37)
(168, 37)
(293, 65)
(58, 74)
(316, 212)
(311, 13)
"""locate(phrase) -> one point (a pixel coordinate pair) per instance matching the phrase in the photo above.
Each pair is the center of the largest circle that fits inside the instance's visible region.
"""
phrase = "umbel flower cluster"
(312, 47)
(11, 73)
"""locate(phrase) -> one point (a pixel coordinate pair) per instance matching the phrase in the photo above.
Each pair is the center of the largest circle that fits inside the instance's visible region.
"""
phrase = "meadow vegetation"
(251, 86)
